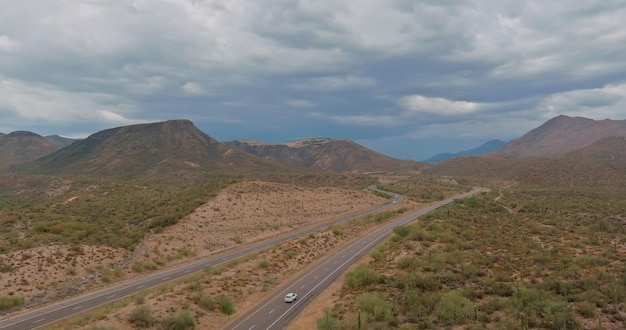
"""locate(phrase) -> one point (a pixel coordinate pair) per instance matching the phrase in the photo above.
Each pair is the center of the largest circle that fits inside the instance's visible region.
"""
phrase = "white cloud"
(438, 106)
(337, 83)
(193, 89)
(6, 44)
(299, 103)
(48, 104)
(607, 102)
(365, 120)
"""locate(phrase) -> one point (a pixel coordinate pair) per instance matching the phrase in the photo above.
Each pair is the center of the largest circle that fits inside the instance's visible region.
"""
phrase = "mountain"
(560, 135)
(171, 150)
(60, 141)
(325, 154)
(21, 146)
(485, 148)
(601, 164)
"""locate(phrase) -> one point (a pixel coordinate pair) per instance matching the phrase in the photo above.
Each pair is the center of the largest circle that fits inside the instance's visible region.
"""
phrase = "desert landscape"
(242, 213)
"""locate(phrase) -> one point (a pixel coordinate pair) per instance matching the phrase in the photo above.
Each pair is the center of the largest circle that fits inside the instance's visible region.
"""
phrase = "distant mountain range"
(485, 148)
(177, 150)
(560, 149)
(173, 149)
(565, 151)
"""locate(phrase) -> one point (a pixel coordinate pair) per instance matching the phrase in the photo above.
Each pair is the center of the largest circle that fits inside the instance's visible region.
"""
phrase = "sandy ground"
(242, 213)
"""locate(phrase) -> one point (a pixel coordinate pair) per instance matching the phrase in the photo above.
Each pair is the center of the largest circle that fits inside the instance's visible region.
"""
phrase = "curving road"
(63, 309)
(274, 313)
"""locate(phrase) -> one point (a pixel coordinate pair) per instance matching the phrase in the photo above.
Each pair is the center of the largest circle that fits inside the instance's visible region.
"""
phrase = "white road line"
(111, 296)
(139, 287)
(272, 311)
(77, 307)
(37, 321)
(165, 278)
(250, 328)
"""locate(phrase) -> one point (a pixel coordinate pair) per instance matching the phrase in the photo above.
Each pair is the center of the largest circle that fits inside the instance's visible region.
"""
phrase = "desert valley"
(541, 248)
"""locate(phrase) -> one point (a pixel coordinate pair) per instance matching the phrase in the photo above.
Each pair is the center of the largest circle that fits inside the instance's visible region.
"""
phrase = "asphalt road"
(63, 309)
(275, 313)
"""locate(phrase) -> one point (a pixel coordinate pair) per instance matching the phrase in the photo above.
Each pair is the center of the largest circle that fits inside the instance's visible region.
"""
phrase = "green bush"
(227, 306)
(362, 276)
(181, 321)
(141, 317)
(327, 322)
(375, 307)
(7, 302)
(402, 231)
(454, 307)
(205, 302)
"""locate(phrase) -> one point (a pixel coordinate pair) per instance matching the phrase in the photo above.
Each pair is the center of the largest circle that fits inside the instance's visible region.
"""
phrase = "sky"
(409, 79)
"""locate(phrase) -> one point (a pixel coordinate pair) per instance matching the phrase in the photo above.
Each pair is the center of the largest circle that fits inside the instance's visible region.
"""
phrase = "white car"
(291, 297)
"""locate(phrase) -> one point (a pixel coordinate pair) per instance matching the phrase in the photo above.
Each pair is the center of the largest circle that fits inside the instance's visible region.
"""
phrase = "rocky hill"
(560, 135)
(20, 147)
(326, 155)
(601, 164)
(171, 150)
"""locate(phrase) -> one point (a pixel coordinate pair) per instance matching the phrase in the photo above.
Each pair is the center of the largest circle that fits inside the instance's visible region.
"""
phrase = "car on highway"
(291, 297)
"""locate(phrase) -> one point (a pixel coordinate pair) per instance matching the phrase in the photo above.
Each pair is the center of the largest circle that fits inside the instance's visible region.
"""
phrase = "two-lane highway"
(274, 313)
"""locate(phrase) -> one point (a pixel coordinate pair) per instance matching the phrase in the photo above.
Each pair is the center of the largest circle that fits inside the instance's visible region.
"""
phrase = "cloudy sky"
(406, 78)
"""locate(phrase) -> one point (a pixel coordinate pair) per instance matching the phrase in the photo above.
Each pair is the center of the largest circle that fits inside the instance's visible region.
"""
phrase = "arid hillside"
(242, 213)
(561, 135)
(327, 155)
(21, 147)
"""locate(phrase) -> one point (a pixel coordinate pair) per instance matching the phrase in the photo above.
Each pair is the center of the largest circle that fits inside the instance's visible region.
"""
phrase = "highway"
(274, 313)
(57, 311)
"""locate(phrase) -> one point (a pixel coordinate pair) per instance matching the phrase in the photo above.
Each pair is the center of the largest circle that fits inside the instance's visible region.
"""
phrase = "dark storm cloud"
(397, 76)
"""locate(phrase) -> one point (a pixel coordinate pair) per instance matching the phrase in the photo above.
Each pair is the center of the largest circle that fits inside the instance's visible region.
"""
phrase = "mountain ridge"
(175, 148)
(561, 135)
(325, 154)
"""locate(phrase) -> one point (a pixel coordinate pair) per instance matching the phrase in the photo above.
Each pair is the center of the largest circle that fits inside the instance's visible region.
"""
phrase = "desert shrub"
(101, 327)
(336, 230)
(5, 268)
(402, 231)
(186, 252)
(375, 307)
(327, 322)
(7, 302)
(180, 321)
(194, 286)
(376, 255)
(454, 307)
(586, 309)
(137, 267)
(141, 317)
(227, 306)
(206, 302)
(408, 262)
(362, 276)
(382, 216)
(425, 283)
